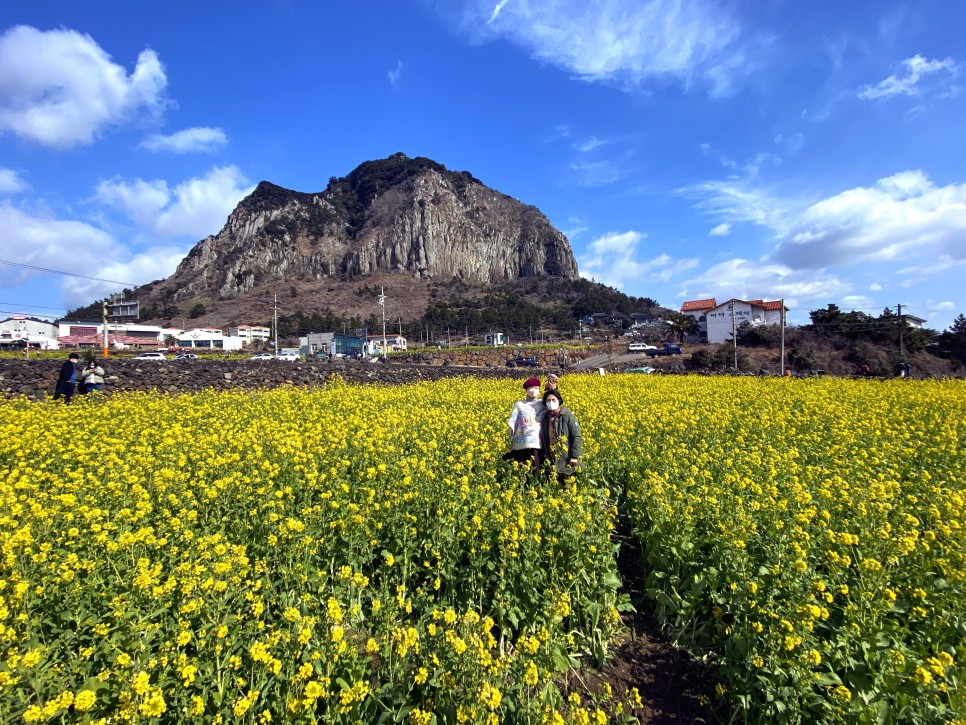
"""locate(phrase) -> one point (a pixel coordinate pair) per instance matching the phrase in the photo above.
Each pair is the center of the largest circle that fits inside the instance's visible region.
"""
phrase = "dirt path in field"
(674, 687)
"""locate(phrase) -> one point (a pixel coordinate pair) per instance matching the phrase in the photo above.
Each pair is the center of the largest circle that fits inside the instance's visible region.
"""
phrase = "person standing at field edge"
(67, 379)
(524, 425)
(561, 442)
(93, 376)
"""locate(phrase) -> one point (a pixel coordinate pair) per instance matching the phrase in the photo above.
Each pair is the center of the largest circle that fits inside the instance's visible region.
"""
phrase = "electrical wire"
(67, 274)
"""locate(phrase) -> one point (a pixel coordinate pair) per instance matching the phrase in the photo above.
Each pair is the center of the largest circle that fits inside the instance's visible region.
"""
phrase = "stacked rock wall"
(35, 379)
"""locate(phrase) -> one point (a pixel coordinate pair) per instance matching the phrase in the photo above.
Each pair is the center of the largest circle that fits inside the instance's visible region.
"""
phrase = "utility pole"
(902, 347)
(734, 333)
(275, 325)
(783, 339)
(104, 315)
(382, 303)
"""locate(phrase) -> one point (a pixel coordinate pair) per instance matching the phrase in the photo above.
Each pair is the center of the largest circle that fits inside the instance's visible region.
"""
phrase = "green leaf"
(827, 679)
(561, 661)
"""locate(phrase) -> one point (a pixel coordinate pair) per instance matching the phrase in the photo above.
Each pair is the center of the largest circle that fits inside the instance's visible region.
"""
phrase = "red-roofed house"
(699, 309)
(723, 319)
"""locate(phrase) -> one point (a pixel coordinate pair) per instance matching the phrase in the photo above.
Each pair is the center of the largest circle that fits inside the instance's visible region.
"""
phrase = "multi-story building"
(80, 333)
(251, 333)
(322, 344)
(209, 338)
(22, 331)
(396, 343)
(719, 321)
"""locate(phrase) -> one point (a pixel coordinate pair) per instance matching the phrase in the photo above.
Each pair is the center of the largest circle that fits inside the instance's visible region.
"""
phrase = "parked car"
(522, 362)
(263, 356)
(668, 348)
(151, 356)
(288, 356)
(186, 356)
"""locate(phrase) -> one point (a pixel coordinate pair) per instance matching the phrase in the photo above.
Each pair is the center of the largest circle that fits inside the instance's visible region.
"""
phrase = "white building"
(20, 330)
(718, 322)
(495, 339)
(251, 333)
(80, 333)
(396, 343)
(209, 338)
(330, 343)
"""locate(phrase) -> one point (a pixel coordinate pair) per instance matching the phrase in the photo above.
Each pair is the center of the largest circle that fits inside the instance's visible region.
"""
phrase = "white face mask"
(552, 404)
(533, 392)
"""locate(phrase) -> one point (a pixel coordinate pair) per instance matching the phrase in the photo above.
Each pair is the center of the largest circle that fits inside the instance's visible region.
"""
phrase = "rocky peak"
(401, 215)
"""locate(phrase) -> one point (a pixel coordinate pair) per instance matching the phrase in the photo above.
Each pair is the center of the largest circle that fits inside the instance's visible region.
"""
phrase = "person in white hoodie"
(524, 425)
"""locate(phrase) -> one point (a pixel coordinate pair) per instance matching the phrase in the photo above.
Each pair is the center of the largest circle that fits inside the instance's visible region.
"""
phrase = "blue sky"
(687, 148)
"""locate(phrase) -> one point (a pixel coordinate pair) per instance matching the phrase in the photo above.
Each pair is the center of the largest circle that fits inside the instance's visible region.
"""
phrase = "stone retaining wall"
(35, 379)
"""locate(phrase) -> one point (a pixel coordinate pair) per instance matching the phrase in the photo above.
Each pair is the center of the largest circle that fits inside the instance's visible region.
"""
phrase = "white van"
(639, 347)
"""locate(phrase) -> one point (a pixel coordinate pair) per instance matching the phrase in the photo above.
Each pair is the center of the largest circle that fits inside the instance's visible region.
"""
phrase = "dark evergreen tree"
(952, 341)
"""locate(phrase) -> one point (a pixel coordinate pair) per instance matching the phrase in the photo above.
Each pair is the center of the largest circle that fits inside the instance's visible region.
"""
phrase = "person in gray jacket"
(560, 438)
(93, 376)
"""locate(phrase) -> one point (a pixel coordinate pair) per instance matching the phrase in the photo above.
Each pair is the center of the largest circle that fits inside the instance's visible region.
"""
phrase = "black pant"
(525, 455)
(65, 389)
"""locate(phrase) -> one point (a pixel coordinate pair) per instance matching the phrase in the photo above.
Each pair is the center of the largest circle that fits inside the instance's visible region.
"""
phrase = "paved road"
(599, 361)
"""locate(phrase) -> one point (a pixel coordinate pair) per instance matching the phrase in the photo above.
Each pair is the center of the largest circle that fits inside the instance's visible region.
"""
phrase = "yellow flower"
(142, 681)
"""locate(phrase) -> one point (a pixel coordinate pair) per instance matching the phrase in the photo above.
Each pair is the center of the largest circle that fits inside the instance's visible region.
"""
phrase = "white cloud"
(857, 302)
(722, 230)
(37, 238)
(750, 279)
(629, 44)
(147, 266)
(496, 10)
(903, 230)
(611, 260)
(597, 173)
(396, 74)
(195, 208)
(737, 201)
(901, 216)
(915, 73)
(589, 145)
(11, 182)
(140, 200)
(577, 227)
(60, 89)
(187, 141)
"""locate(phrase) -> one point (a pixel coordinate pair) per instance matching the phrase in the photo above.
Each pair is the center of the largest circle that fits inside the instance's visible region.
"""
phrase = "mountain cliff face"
(396, 215)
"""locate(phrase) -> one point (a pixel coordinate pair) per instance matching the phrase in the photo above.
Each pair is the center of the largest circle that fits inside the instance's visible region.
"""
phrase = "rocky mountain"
(405, 222)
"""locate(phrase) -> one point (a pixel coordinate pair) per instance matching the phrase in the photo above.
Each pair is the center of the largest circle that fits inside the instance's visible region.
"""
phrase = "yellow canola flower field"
(355, 553)
(339, 555)
(808, 535)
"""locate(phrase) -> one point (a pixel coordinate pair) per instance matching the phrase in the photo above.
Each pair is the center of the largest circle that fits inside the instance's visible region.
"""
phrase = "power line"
(38, 307)
(66, 274)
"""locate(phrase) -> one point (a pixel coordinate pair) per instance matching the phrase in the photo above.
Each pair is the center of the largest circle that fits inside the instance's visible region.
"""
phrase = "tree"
(196, 311)
(952, 342)
(683, 325)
